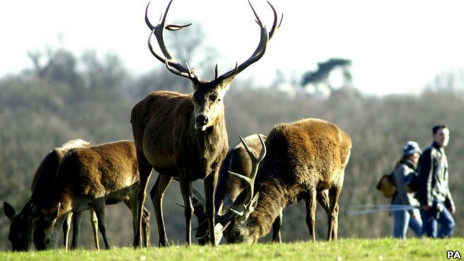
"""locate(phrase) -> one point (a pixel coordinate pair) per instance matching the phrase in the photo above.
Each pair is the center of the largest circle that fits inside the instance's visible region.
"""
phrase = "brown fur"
(90, 178)
(21, 224)
(303, 158)
(168, 139)
(230, 187)
(184, 136)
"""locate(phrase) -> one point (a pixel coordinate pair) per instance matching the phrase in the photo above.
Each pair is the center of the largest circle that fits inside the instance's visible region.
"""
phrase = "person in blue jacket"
(405, 204)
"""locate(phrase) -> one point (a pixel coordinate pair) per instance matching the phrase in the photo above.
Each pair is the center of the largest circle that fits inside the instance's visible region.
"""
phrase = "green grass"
(344, 249)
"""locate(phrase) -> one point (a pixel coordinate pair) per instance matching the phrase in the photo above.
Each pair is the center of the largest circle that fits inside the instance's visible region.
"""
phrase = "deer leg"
(99, 208)
(66, 229)
(277, 228)
(310, 202)
(157, 196)
(186, 189)
(323, 199)
(334, 194)
(146, 227)
(145, 173)
(94, 222)
(131, 203)
(76, 221)
(210, 184)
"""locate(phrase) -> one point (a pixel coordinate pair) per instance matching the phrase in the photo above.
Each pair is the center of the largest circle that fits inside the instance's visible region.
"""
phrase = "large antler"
(250, 181)
(175, 67)
(259, 52)
(171, 63)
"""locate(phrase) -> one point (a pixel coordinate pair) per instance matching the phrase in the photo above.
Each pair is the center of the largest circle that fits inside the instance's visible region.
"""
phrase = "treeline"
(90, 97)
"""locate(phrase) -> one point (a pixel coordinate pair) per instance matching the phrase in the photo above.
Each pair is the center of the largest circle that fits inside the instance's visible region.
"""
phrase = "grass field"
(344, 249)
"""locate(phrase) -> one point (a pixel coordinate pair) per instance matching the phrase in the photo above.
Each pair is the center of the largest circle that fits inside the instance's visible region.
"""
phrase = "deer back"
(47, 170)
(93, 172)
(306, 152)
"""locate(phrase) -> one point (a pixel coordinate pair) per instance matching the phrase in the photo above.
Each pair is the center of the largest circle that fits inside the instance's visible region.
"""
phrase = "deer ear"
(8, 210)
(224, 86)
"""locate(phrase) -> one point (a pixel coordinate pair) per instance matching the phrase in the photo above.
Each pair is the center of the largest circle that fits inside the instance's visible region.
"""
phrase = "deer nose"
(202, 120)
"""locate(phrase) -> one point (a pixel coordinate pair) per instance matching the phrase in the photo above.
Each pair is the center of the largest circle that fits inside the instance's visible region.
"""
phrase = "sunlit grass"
(344, 249)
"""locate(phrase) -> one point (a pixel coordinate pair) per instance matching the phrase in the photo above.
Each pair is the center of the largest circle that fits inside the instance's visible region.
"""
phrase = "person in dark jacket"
(405, 205)
(434, 194)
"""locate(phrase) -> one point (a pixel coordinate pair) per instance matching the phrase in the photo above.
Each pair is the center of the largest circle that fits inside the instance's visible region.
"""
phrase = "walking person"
(407, 205)
(434, 194)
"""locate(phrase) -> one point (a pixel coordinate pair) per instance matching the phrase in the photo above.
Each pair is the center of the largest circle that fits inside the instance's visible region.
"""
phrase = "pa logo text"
(453, 254)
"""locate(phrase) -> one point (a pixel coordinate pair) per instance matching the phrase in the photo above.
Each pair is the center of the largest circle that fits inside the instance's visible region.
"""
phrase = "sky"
(396, 46)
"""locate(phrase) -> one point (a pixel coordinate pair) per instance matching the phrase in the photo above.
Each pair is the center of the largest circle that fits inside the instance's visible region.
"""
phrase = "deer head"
(45, 236)
(208, 95)
(236, 218)
(20, 233)
(236, 211)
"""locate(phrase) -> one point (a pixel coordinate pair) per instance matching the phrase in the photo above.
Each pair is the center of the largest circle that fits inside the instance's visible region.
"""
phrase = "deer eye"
(213, 97)
(197, 96)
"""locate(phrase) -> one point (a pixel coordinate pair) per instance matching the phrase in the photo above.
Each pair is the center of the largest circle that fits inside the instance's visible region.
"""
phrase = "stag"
(230, 187)
(184, 136)
(90, 178)
(21, 224)
(303, 158)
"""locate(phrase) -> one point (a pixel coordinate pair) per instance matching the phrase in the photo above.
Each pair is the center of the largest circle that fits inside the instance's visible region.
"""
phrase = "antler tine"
(257, 54)
(170, 27)
(147, 21)
(256, 15)
(159, 33)
(263, 151)
(240, 176)
(250, 181)
(274, 25)
(249, 188)
(255, 159)
(150, 47)
(170, 61)
(252, 155)
(176, 27)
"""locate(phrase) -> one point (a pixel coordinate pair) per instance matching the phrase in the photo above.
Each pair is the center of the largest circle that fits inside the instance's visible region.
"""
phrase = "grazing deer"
(90, 178)
(230, 187)
(184, 136)
(303, 158)
(22, 225)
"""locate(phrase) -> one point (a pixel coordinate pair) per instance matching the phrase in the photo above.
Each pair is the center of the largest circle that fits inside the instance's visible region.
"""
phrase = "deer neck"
(272, 199)
(61, 194)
